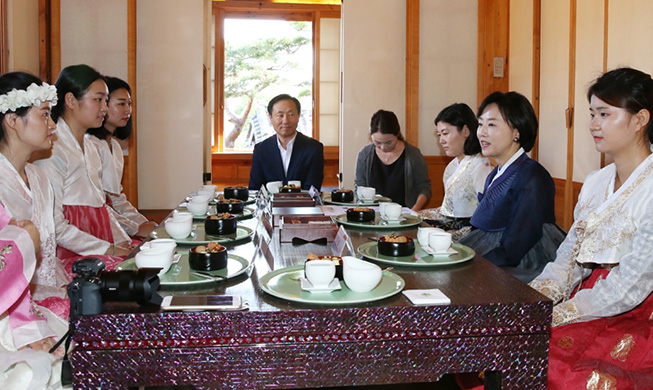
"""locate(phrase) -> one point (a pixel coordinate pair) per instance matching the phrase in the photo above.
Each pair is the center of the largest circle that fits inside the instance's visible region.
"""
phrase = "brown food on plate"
(220, 216)
(394, 238)
(211, 247)
(362, 209)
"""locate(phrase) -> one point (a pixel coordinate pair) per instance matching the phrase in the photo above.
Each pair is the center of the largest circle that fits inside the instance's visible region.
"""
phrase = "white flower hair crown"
(34, 95)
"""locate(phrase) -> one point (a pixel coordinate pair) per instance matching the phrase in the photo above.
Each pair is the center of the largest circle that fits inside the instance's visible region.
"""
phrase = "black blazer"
(306, 163)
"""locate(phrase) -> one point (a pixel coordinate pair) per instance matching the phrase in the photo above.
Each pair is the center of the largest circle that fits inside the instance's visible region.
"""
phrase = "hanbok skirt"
(532, 264)
(94, 221)
(612, 353)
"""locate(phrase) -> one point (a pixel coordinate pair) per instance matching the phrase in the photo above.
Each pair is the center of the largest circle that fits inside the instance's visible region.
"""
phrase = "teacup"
(320, 272)
(210, 187)
(182, 216)
(159, 255)
(198, 208)
(200, 199)
(440, 242)
(390, 210)
(179, 227)
(423, 235)
(366, 193)
(209, 193)
(295, 183)
(360, 275)
(274, 186)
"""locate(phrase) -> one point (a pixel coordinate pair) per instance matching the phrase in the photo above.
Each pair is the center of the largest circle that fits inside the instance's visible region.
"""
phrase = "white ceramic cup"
(182, 216)
(366, 193)
(210, 193)
(295, 183)
(198, 208)
(392, 210)
(423, 235)
(440, 242)
(360, 275)
(200, 199)
(210, 187)
(160, 255)
(179, 227)
(274, 186)
(320, 272)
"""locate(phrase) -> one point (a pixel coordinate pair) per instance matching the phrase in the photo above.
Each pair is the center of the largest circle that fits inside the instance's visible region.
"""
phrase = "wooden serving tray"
(308, 228)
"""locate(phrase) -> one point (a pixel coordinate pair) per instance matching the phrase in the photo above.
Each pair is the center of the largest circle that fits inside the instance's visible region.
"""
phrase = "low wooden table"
(494, 324)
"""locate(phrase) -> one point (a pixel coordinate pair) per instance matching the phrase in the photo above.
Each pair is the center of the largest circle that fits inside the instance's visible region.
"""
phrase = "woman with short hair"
(514, 223)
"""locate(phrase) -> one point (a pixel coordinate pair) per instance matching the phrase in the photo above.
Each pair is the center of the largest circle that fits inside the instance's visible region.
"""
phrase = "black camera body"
(93, 285)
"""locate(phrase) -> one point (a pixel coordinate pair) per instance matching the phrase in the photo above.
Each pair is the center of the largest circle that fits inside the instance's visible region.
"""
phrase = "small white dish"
(431, 252)
(393, 220)
(308, 286)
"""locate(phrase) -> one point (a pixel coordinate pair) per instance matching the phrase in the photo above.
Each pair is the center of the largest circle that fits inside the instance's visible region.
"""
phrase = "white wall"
(448, 54)
(94, 32)
(521, 48)
(373, 71)
(169, 76)
(554, 86)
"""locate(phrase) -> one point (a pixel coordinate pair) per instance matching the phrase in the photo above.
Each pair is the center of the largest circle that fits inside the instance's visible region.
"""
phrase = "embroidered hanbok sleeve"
(17, 264)
(626, 286)
(553, 280)
(68, 235)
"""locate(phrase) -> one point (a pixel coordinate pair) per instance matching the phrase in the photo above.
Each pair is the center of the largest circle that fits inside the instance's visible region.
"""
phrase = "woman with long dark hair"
(85, 226)
(117, 125)
(393, 166)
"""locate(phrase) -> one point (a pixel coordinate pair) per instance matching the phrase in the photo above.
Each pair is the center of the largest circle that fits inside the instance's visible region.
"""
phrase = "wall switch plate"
(498, 66)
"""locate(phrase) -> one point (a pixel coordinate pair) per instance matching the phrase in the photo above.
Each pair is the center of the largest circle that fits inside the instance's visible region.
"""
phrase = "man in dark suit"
(288, 155)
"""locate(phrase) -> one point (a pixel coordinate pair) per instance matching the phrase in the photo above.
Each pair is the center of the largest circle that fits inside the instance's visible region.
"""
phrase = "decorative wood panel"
(436, 166)
(493, 38)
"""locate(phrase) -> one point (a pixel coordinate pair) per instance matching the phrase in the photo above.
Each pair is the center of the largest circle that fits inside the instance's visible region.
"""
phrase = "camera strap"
(66, 367)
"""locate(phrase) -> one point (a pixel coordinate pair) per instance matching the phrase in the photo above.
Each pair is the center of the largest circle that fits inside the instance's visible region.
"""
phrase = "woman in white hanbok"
(118, 126)
(602, 279)
(74, 170)
(464, 177)
(27, 331)
(25, 191)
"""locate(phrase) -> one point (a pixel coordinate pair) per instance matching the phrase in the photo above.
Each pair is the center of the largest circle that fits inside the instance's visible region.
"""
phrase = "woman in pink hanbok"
(27, 331)
(118, 126)
(85, 226)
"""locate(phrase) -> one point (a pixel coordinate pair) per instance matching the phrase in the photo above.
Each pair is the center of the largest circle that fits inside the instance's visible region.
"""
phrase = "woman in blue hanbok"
(514, 223)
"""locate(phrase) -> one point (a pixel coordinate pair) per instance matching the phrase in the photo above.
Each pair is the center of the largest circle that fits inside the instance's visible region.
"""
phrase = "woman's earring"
(515, 139)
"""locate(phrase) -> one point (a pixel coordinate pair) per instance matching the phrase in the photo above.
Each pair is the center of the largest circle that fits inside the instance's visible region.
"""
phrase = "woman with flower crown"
(117, 125)
(25, 191)
(602, 279)
(84, 224)
(27, 331)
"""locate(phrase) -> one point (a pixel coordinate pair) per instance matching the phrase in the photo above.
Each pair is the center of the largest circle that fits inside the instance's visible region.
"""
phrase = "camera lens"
(140, 286)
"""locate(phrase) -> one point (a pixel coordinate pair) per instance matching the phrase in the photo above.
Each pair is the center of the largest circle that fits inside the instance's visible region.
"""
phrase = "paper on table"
(427, 297)
(333, 210)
